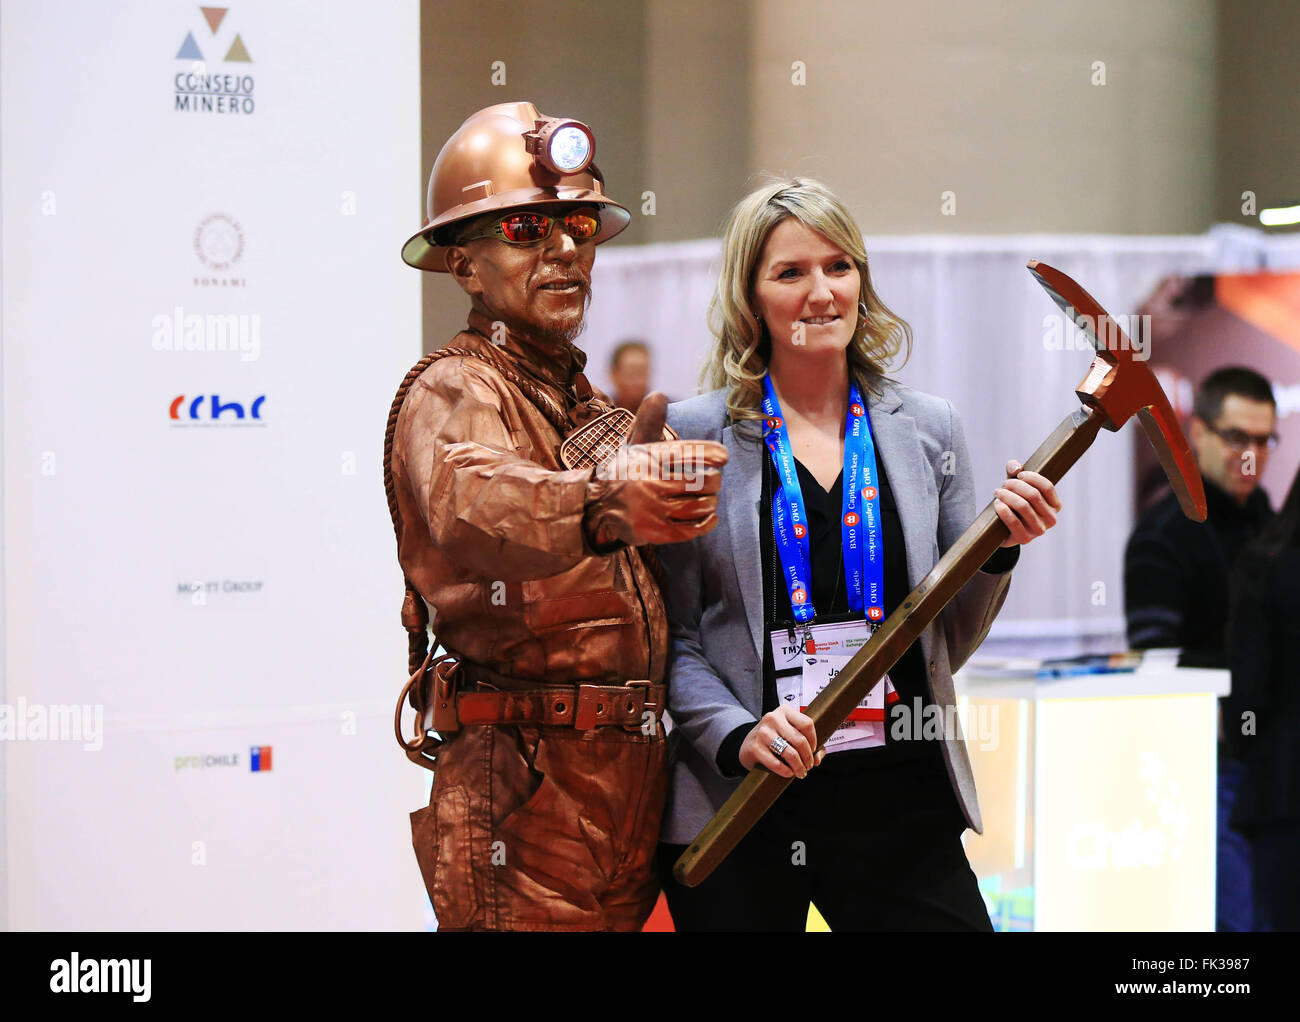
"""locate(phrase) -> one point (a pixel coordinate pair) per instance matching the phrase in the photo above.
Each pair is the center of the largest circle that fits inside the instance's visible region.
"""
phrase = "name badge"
(835, 638)
(813, 660)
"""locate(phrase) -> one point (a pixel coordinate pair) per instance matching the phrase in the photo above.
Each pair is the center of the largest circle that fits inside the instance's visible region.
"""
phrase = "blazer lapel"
(741, 492)
(905, 463)
(898, 446)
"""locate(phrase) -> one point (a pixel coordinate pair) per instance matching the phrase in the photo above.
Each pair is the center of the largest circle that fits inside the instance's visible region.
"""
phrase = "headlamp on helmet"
(561, 145)
(511, 156)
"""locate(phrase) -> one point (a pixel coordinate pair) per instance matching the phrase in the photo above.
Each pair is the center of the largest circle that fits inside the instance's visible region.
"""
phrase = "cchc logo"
(210, 410)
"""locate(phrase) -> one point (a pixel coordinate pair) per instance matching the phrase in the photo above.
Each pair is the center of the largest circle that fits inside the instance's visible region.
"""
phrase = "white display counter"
(1098, 795)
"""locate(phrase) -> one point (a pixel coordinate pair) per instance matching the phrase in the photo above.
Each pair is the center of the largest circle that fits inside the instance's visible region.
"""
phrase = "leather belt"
(583, 707)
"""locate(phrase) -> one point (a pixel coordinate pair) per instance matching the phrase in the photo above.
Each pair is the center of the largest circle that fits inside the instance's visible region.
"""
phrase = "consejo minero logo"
(198, 90)
(214, 16)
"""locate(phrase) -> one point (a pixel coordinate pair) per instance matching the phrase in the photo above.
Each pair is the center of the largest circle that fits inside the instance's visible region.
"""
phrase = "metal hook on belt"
(423, 747)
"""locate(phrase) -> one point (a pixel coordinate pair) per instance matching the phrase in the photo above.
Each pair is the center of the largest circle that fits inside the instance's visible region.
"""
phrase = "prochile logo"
(230, 759)
(210, 410)
(259, 760)
(219, 242)
(197, 90)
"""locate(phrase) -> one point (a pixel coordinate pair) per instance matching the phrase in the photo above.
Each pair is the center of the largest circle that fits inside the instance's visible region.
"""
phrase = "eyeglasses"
(528, 228)
(1239, 439)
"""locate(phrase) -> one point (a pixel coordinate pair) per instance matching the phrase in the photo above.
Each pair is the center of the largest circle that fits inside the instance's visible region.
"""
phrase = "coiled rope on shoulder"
(415, 613)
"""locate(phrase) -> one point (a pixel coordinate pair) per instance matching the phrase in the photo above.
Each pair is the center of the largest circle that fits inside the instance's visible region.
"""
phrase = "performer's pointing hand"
(1027, 503)
(654, 490)
(651, 415)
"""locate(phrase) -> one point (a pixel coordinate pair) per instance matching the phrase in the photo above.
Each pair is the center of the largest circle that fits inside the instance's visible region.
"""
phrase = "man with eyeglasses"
(550, 780)
(1177, 572)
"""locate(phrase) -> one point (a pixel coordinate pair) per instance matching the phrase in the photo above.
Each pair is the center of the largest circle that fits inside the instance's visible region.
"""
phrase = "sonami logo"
(219, 241)
(216, 409)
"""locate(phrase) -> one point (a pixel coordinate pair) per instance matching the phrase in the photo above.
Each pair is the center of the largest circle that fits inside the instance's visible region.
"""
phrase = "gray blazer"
(715, 597)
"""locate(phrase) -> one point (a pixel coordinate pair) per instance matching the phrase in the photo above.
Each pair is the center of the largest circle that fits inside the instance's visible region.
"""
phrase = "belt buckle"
(441, 711)
(646, 704)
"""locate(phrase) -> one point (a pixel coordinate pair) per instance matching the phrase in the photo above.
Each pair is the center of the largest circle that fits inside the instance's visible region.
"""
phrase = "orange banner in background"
(1269, 301)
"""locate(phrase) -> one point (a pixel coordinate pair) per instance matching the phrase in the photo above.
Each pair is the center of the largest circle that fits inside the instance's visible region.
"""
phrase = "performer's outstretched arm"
(487, 509)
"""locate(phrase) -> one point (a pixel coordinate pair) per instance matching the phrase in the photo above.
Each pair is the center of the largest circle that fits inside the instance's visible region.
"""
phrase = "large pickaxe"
(1117, 386)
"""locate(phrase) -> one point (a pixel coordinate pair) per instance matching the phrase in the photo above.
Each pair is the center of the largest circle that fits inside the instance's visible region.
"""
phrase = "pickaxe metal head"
(1119, 385)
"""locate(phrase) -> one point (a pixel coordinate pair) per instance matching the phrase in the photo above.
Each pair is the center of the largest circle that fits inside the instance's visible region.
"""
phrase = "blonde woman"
(842, 490)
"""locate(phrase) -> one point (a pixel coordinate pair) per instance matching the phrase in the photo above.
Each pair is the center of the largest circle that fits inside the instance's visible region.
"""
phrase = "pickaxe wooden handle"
(1117, 386)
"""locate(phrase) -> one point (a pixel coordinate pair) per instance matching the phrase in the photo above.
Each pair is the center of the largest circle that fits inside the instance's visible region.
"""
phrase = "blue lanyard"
(860, 528)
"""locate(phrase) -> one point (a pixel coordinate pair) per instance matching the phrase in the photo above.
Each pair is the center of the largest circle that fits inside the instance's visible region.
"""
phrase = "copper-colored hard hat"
(511, 155)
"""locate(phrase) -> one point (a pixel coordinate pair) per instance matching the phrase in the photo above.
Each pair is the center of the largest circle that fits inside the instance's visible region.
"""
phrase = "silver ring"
(778, 746)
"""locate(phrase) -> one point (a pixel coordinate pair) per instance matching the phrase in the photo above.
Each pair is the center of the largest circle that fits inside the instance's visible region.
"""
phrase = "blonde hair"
(741, 347)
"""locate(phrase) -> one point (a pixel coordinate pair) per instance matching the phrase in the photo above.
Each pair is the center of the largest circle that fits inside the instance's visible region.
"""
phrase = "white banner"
(205, 319)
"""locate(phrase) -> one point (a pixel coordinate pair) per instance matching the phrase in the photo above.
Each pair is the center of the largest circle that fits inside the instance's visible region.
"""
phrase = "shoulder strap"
(415, 615)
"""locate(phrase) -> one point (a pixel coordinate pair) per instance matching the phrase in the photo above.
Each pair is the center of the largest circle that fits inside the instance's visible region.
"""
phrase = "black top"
(1176, 573)
(1176, 578)
(1264, 654)
(830, 599)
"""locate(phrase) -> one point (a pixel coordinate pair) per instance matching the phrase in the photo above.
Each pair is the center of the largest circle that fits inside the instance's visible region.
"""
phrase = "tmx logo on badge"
(200, 92)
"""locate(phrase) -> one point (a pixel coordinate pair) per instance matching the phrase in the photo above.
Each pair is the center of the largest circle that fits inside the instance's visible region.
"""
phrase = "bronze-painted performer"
(519, 529)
